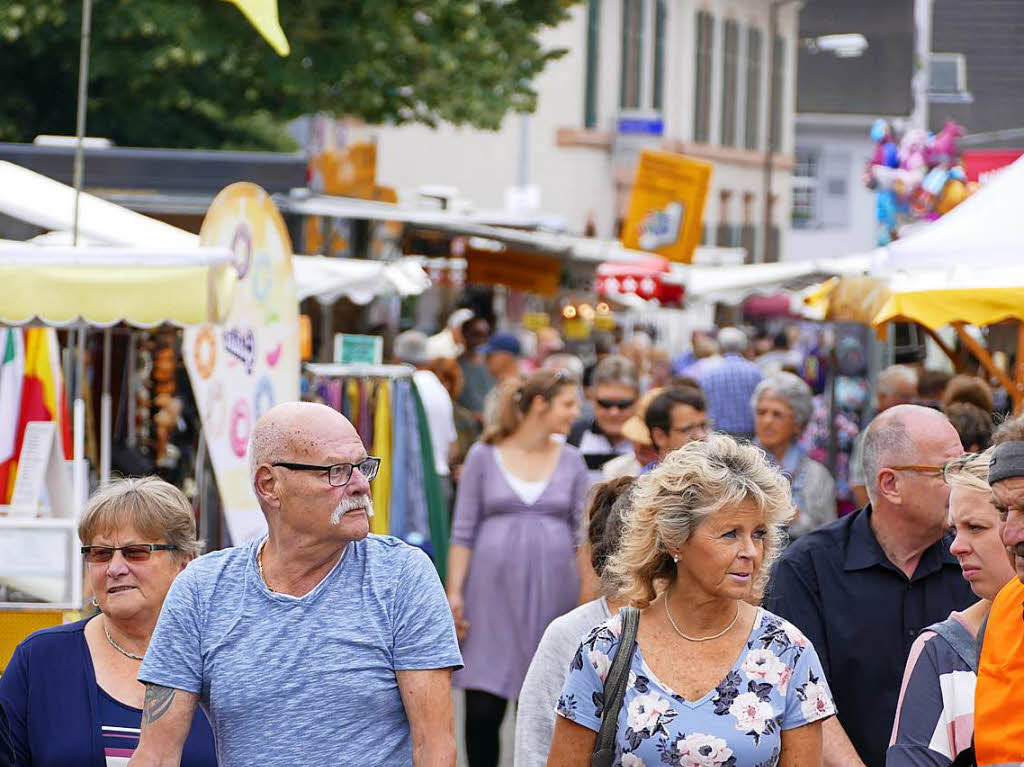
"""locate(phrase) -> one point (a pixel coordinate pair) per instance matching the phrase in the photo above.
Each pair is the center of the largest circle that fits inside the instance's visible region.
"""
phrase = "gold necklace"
(259, 564)
(721, 633)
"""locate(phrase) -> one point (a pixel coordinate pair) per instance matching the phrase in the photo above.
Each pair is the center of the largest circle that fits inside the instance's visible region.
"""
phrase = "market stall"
(961, 270)
(79, 289)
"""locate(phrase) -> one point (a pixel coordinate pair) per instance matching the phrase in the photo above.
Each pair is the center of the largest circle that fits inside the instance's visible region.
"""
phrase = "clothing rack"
(359, 370)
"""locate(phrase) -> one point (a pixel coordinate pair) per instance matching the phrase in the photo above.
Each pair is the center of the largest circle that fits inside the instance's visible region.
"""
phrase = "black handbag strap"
(959, 639)
(615, 689)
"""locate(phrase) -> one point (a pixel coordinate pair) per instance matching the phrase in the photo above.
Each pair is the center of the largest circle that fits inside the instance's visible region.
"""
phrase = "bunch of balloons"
(917, 176)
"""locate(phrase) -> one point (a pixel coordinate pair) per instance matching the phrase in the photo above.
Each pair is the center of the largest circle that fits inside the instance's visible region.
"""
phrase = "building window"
(658, 79)
(702, 89)
(730, 82)
(632, 53)
(947, 79)
(805, 189)
(590, 87)
(752, 128)
(821, 189)
(779, 52)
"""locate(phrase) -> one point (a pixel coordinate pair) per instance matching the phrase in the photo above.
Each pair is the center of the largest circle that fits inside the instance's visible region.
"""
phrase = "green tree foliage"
(193, 73)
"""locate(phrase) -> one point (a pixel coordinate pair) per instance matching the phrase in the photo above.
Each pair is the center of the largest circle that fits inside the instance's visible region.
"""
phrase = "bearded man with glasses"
(862, 588)
(318, 644)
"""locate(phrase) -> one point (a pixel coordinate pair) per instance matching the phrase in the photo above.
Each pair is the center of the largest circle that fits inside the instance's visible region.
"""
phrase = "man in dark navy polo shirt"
(863, 587)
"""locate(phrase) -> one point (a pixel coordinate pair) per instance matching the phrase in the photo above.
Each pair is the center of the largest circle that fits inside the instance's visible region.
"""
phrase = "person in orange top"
(999, 695)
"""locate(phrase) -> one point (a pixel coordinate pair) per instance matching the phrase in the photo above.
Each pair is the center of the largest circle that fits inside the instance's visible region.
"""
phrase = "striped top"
(119, 725)
(935, 714)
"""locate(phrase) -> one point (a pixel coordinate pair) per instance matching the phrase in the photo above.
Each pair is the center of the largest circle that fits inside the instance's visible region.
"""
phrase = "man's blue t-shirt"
(287, 680)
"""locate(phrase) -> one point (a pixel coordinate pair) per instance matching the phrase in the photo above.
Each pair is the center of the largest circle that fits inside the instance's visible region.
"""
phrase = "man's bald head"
(904, 434)
(293, 428)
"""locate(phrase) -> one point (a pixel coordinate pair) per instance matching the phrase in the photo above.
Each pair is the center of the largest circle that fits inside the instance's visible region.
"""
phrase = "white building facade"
(688, 76)
(832, 210)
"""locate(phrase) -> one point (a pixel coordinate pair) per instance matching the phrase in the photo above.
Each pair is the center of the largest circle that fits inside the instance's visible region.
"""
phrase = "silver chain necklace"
(117, 647)
(721, 633)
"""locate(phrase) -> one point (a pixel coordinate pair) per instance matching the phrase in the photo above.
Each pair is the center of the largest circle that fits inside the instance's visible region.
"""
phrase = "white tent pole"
(131, 389)
(106, 415)
(83, 91)
(80, 475)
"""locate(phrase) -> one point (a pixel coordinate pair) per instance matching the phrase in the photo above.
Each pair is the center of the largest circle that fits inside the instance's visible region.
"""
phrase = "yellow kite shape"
(262, 14)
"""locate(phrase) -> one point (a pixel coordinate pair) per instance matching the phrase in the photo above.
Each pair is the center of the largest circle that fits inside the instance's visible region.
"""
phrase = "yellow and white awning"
(104, 286)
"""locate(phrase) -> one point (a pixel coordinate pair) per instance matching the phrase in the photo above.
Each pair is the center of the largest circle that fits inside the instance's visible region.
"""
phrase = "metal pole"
(130, 407)
(326, 332)
(204, 508)
(772, 136)
(105, 411)
(83, 91)
(920, 80)
(79, 481)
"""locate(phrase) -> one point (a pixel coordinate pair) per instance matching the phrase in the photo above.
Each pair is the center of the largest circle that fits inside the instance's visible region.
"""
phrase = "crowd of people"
(652, 556)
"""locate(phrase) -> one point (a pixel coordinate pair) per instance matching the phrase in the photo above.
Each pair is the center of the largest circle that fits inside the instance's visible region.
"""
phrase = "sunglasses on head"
(133, 552)
(621, 404)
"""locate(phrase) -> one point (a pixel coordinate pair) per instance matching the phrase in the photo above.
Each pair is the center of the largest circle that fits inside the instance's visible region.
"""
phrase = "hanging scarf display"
(351, 412)
(400, 458)
(437, 513)
(380, 524)
(417, 530)
(365, 424)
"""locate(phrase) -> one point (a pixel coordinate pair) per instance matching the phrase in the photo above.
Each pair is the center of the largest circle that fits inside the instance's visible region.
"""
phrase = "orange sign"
(348, 172)
(515, 269)
(666, 206)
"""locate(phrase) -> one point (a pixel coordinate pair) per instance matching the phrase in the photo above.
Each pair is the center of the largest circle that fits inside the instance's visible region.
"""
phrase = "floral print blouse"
(776, 684)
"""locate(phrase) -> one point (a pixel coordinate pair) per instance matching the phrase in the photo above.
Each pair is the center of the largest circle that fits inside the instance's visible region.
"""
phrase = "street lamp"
(842, 46)
(847, 46)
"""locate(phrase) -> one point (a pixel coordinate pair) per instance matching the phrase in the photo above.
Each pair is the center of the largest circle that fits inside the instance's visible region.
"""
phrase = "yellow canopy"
(936, 309)
(106, 286)
(933, 299)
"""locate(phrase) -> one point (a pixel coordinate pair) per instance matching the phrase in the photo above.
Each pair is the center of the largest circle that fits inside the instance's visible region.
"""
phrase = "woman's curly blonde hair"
(691, 484)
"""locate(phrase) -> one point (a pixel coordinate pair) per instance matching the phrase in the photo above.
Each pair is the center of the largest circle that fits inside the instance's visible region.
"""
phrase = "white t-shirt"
(440, 417)
(528, 491)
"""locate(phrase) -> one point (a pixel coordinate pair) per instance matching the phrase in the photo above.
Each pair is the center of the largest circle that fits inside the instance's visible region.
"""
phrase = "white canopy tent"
(360, 281)
(986, 229)
(49, 204)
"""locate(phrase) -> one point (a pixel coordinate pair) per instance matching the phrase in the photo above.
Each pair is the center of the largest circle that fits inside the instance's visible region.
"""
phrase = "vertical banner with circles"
(241, 368)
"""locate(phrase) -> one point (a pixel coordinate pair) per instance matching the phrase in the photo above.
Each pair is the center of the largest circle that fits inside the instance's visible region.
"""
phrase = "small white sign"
(41, 464)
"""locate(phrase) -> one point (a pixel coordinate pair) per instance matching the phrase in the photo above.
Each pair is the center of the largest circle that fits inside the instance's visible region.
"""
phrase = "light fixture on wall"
(844, 46)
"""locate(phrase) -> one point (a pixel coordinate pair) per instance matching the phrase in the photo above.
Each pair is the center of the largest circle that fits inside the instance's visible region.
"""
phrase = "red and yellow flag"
(42, 395)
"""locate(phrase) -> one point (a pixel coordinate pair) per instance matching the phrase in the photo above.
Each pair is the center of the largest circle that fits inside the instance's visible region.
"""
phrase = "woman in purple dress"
(512, 563)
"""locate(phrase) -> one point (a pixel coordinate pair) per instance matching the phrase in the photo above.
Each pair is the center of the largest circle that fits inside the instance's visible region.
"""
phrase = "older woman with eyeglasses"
(782, 405)
(71, 692)
(935, 717)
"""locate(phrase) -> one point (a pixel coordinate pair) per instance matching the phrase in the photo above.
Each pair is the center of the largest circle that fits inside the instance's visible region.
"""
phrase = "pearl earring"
(676, 559)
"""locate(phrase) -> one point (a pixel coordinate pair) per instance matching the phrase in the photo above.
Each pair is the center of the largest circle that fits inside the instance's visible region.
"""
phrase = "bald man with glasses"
(862, 588)
(317, 644)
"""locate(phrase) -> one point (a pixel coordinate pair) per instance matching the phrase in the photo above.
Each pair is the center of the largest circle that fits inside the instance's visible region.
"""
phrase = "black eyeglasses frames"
(338, 474)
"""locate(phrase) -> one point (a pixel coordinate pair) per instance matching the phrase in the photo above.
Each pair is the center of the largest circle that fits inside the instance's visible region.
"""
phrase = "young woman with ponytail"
(512, 564)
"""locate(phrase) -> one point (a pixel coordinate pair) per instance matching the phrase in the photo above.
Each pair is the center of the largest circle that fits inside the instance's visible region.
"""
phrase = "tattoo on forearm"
(157, 702)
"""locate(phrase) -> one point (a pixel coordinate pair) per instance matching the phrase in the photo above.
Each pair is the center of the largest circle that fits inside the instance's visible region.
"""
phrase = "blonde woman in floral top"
(714, 681)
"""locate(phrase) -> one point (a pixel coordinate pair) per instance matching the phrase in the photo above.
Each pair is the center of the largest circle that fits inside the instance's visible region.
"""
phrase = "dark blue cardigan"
(51, 699)
(6, 755)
